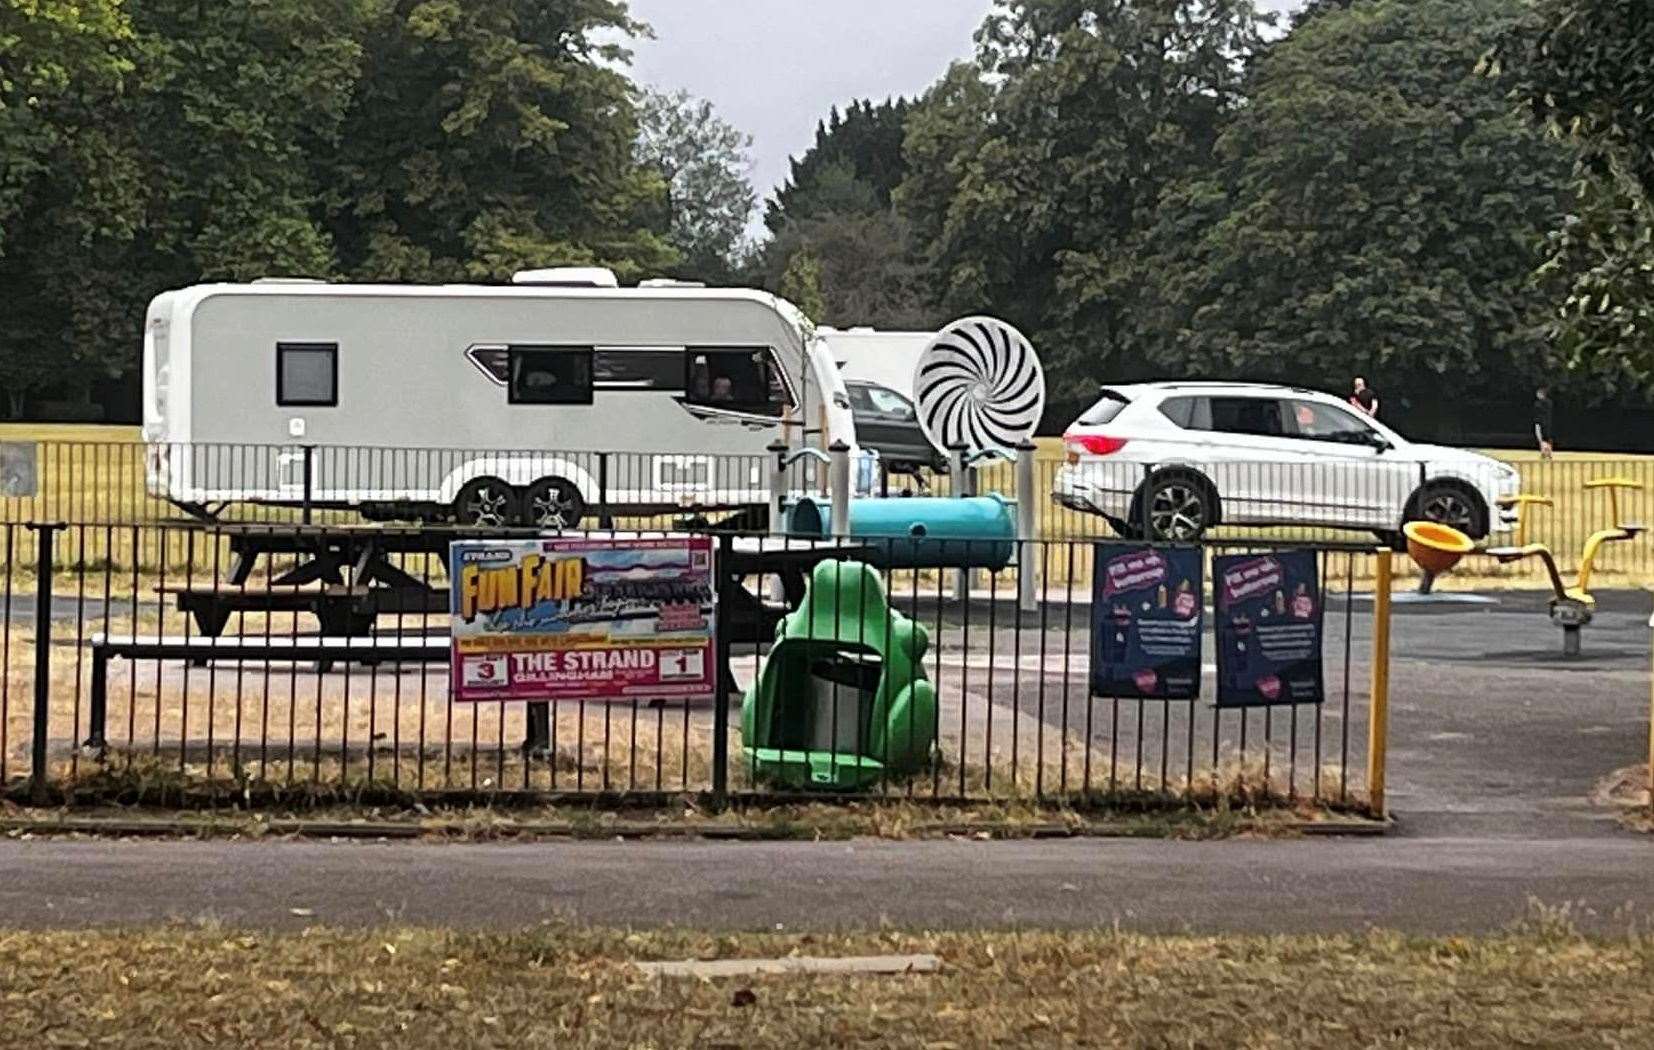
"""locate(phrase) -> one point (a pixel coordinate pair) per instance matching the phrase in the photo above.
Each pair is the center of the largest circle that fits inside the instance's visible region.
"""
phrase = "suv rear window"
(1182, 411)
(1104, 411)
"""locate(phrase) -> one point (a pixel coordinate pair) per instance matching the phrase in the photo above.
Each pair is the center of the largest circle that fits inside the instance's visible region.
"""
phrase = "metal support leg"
(1570, 641)
(538, 738)
(99, 714)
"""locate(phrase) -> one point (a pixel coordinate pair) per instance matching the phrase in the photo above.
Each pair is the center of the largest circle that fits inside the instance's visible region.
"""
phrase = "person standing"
(1544, 422)
(1365, 397)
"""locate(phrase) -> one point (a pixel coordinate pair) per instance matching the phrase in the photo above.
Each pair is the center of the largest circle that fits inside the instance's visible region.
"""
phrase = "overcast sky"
(773, 68)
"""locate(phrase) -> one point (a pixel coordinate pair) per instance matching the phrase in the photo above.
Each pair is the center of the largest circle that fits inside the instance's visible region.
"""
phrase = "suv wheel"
(1181, 507)
(1446, 503)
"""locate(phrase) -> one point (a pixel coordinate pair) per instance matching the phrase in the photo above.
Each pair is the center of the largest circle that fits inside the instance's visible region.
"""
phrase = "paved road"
(1416, 884)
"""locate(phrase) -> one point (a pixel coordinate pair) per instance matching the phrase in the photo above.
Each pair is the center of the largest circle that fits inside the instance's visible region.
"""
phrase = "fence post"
(724, 676)
(1378, 709)
(605, 520)
(309, 479)
(44, 535)
(1027, 528)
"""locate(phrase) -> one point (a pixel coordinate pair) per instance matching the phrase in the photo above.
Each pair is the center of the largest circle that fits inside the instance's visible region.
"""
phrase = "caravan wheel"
(553, 503)
(488, 502)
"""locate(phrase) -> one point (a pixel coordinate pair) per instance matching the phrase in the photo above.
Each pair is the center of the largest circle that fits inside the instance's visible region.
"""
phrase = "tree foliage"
(854, 165)
(491, 135)
(1587, 68)
(703, 162)
(1035, 176)
(836, 213)
(189, 159)
(54, 54)
(1376, 208)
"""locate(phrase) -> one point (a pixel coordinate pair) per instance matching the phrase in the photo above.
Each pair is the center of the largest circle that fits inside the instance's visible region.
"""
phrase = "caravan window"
(618, 368)
(307, 374)
(746, 381)
(549, 375)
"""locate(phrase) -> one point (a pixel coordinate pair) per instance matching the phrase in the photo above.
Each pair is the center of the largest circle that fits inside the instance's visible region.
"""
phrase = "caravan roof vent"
(568, 277)
(670, 282)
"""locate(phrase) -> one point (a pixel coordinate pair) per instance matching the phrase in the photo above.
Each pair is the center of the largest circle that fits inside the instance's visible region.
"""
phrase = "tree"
(1377, 208)
(703, 162)
(836, 208)
(1587, 69)
(801, 284)
(492, 135)
(1035, 205)
(863, 269)
(196, 164)
(854, 164)
(52, 54)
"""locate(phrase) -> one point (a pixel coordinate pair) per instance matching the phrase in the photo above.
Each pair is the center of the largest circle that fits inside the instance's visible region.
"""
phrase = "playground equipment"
(842, 700)
(1572, 608)
(1436, 548)
(978, 532)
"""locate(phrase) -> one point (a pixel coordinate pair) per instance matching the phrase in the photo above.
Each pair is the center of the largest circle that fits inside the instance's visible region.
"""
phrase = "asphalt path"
(1421, 885)
(1498, 744)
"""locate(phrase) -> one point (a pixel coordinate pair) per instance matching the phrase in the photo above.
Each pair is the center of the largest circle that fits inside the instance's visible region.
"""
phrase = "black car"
(887, 423)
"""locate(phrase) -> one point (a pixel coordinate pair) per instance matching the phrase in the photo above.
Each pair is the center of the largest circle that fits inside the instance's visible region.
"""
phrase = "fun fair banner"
(582, 619)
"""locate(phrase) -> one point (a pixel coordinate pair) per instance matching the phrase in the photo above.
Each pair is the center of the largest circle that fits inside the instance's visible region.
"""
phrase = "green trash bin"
(842, 700)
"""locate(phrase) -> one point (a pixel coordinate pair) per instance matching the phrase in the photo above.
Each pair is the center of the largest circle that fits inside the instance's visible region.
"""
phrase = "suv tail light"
(1091, 444)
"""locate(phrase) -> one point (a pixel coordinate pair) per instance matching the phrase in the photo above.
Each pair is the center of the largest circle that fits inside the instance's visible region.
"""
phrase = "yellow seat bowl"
(1615, 482)
(1434, 546)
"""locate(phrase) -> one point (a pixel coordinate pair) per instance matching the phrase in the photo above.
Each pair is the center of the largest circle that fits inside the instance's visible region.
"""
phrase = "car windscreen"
(1107, 407)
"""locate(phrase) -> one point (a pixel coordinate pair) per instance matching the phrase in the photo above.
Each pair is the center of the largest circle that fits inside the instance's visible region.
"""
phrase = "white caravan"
(886, 359)
(533, 403)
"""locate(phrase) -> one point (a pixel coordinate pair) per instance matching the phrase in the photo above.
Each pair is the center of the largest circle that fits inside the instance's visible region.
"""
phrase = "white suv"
(1172, 460)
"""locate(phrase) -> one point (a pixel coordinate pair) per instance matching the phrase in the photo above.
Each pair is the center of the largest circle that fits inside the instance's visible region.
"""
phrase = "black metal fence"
(183, 656)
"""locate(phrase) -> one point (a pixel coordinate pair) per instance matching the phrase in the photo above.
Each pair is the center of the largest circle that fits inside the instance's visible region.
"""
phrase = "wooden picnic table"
(346, 578)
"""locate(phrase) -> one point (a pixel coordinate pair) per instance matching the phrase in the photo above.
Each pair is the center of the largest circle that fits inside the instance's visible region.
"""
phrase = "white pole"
(778, 485)
(838, 482)
(1027, 585)
(958, 466)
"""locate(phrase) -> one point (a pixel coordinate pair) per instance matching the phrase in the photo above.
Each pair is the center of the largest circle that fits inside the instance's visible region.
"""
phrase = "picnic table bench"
(341, 609)
(311, 648)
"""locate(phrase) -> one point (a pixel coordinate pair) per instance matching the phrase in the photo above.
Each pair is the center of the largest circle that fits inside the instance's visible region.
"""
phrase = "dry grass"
(1539, 985)
(685, 815)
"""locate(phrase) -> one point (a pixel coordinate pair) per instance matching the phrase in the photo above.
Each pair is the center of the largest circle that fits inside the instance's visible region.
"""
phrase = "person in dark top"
(1544, 422)
(1365, 397)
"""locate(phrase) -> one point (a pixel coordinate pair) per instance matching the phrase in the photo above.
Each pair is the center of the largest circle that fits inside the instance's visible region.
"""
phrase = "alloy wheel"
(488, 504)
(1449, 507)
(553, 504)
(1178, 511)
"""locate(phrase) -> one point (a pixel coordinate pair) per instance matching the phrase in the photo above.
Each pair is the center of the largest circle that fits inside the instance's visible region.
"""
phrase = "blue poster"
(1146, 614)
(1268, 608)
